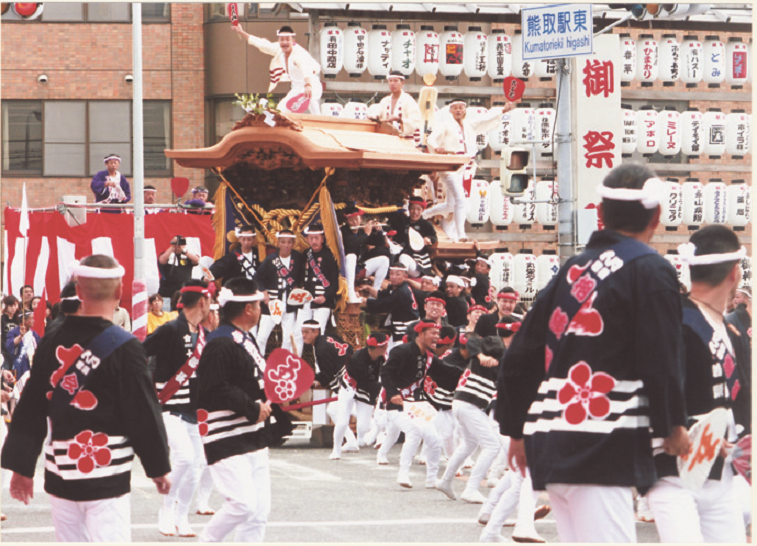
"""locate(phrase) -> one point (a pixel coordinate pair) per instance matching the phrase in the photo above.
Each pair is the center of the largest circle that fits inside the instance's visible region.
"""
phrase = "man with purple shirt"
(109, 185)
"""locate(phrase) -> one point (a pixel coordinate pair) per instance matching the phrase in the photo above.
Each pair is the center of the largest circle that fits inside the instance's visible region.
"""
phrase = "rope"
(378, 210)
(329, 171)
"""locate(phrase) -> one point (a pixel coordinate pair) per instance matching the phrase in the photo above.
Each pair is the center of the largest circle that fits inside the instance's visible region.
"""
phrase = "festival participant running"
(90, 380)
(291, 63)
(594, 372)
(507, 299)
(397, 300)
(709, 514)
(237, 423)
(399, 108)
(177, 346)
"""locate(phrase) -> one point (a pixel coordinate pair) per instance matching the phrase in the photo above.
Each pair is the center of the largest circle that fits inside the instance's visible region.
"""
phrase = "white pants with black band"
(346, 404)
(187, 457)
(244, 481)
(455, 204)
(107, 520)
(416, 430)
(378, 266)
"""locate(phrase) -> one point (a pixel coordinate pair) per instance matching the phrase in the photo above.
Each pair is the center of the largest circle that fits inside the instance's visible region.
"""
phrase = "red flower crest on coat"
(464, 378)
(202, 421)
(548, 354)
(429, 385)
(558, 321)
(584, 394)
(583, 287)
(89, 450)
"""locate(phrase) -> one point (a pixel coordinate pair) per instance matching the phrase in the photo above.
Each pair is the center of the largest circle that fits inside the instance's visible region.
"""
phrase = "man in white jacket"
(455, 134)
(399, 108)
(291, 62)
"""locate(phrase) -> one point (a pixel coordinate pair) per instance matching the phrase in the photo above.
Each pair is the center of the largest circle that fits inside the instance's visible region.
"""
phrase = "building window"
(96, 12)
(109, 133)
(158, 12)
(108, 12)
(22, 136)
(157, 136)
(63, 12)
(65, 138)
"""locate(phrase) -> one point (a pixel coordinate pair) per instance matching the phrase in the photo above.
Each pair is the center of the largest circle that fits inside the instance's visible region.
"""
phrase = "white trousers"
(244, 481)
(416, 430)
(334, 410)
(204, 489)
(297, 89)
(321, 315)
(187, 457)
(265, 326)
(346, 405)
(445, 427)
(511, 491)
(710, 514)
(106, 520)
(475, 430)
(378, 267)
(455, 204)
(593, 513)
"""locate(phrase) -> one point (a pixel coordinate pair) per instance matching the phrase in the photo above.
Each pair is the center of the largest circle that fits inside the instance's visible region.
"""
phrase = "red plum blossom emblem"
(558, 321)
(89, 450)
(585, 394)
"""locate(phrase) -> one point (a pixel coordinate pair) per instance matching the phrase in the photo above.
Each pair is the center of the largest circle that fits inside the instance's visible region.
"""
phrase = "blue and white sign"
(563, 30)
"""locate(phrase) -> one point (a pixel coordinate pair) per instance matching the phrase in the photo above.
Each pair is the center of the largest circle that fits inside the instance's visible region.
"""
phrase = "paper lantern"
(475, 54)
(546, 213)
(713, 129)
(739, 203)
(332, 50)
(524, 275)
(692, 61)
(545, 69)
(627, 60)
(478, 203)
(737, 133)
(523, 122)
(713, 51)
(670, 60)
(426, 51)
(648, 130)
(355, 110)
(647, 60)
(628, 142)
(520, 68)
(672, 203)
(355, 45)
(693, 202)
(499, 137)
(332, 109)
(746, 272)
(716, 202)
(403, 50)
(501, 273)
(544, 119)
(473, 112)
(451, 47)
(379, 51)
(525, 213)
(692, 135)
(547, 266)
(670, 131)
(749, 56)
(682, 269)
(736, 62)
(500, 55)
(500, 206)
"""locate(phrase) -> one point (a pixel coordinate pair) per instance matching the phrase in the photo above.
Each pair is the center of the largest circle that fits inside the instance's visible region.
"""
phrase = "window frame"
(86, 20)
(15, 173)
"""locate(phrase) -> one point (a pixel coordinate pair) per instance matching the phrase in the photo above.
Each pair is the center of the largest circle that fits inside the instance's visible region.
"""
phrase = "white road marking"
(302, 473)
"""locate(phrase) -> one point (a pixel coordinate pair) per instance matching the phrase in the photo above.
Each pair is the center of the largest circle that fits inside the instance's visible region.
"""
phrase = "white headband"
(747, 294)
(214, 307)
(150, 189)
(98, 272)
(309, 232)
(457, 102)
(686, 252)
(111, 157)
(435, 280)
(390, 76)
(238, 233)
(225, 295)
(285, 33)
(280, 235)
(71, 298)
(649, 195)
(455, 279)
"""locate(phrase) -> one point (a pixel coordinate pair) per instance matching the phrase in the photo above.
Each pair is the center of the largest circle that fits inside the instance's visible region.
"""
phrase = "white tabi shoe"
(469, 463)
(205, 511)
(486, 537)
(473, 497)
(335, 456)
(381, 460)
(446, 488)
(483, 518)
(166, 520)
(351, 448)
(404, 480)
(183, 528)
(531, 539)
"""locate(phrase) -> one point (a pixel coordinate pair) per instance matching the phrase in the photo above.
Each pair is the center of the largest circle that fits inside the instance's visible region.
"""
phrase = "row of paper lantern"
(486, 202)
(684, 275)
(526, 273)
(690, 61)
(694, 204)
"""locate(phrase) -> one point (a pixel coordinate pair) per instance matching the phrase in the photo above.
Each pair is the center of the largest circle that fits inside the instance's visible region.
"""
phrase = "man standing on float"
(291, 63)
(399, 108)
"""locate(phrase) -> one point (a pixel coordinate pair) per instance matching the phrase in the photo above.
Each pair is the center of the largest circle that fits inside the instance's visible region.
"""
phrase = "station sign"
(562, 30)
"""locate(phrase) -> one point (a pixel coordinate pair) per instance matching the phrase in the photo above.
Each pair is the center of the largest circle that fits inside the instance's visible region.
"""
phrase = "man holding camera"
(175, 264)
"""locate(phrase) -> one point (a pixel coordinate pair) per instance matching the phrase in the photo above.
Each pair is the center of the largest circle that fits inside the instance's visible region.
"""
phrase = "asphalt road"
(314, 500)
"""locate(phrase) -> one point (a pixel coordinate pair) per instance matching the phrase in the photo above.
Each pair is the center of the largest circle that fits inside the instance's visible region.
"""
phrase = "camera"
(129, 78)
(42, 78)
(181, 241)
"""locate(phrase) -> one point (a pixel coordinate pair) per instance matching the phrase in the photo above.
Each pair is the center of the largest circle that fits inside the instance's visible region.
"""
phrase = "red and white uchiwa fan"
(500, 206)
(403, 50)
(706, 436)
(736, 62)
(451, 48)
(520, 68)
(647, 60)
(647, 130)
(693, 202)
(742, 457)
(477, 204)
(499, 137)
(670, 131)
(525, 213)
(628, 142)
(333, 109)
(355, 110)
(714, 61)
(547, 266)
(427, 51)
(332, 50)
(524, 275)
(475, 53)
(523, 122)
(627, 60)
(716, 202)
(739, 203)
(355, 49)
(501, 273)
(692, 61)
(738, 133)
(546, 213)
(669, 60)
(500, 55)
(682, 269)
(672, 203)
(713, 129)
(692, 132)
(379, 51)
(477, 111)
(545, 122)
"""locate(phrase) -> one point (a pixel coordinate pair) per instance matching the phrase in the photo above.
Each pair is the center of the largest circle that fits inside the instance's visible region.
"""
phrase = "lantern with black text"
(520, 68)
(524, 275)
(355, 46)
(355, 110)
(500, 206)
(501, 273)
(525, 213)
(546, 190)
(475, 50)
(476, 111)
(736, 62)
(749, 56)
(670, 60)
(739, 204)
(692, 134)
(713, 129)
(692, 66)
(477, 203)
(523, 122)
(451, 46)
(627, 60)
(738, 133)
(547, 266)
(545, 69)
(331, 109)
(628, 142)
(693, 202)
(499, 137)
(670, 131)
(716, 202)
(379, 51)
(647, 60)
(403, 50)
(682, 269)
(545, 123)
(746, 272)
(332, 50)
(427, 51)
(499, 53)
(672, 203)
(648, 130)
(714, 61)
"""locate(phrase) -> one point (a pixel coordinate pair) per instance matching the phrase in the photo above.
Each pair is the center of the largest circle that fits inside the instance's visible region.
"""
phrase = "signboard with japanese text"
(562, 30)
(597, 146)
